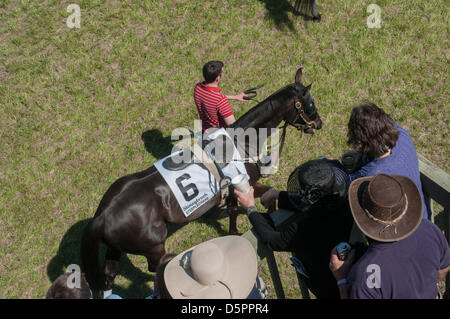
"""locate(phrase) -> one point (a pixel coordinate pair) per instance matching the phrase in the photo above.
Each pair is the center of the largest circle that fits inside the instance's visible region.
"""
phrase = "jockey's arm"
(229, 120)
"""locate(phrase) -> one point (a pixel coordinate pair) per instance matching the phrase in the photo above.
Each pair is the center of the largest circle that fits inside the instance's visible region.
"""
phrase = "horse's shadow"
(69, 253)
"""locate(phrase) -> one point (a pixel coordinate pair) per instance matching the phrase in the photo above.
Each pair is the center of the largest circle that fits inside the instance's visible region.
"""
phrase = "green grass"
(74, 104)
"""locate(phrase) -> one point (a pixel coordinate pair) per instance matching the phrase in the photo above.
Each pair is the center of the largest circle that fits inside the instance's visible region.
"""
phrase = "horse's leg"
(112, 262)
(260, 189)
(233, 213)
(154, 255)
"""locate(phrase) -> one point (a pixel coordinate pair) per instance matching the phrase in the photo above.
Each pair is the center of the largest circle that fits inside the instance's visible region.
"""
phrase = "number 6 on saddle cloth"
(204, 160)
(193, 180)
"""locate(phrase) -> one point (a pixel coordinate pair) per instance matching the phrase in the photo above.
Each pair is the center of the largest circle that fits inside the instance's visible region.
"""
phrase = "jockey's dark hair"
(60, 290)
(371, 131)
(212, 70)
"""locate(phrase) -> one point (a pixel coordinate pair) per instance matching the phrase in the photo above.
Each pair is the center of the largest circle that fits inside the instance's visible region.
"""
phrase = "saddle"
(207, 162)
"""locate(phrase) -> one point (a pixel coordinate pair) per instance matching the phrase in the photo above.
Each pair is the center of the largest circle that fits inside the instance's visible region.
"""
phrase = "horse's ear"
(306, 90)
(298, 75)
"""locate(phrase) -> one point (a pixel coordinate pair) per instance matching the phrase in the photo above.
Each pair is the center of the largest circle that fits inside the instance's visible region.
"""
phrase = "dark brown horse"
(133, 213)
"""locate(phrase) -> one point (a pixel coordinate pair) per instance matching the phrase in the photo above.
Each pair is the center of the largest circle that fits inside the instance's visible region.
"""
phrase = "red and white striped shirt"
(212, 106)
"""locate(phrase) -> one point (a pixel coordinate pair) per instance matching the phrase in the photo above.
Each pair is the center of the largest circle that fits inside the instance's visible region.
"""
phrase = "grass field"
(80, 108)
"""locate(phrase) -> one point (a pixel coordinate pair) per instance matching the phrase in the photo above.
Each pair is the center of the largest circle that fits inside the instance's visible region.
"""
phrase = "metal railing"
(435, 186)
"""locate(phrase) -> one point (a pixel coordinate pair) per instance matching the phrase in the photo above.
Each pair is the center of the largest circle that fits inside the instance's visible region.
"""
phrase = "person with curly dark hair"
(383, 145)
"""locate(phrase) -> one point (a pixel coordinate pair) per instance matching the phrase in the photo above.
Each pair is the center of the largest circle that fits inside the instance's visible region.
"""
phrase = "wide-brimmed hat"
(315, 179)
(220, 268)
(386, 208)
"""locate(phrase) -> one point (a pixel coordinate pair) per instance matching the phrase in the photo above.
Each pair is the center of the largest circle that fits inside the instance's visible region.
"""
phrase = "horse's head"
(305, 115)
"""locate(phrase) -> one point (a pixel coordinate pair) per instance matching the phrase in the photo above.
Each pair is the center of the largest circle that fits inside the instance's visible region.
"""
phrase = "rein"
(301, 114)
(251, 93)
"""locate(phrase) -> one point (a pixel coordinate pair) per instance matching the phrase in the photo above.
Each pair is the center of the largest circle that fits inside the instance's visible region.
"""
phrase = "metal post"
(273, 268)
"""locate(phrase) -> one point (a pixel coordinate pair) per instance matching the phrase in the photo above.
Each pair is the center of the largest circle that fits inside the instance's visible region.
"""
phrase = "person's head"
(212, 70)
(220, 268)
(61, 290)
(386, 208)
(371, 131)
(316, 180)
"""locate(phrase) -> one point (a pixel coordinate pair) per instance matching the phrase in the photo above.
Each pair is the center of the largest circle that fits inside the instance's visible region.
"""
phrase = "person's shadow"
(156, 144)
(69, 253)
(278, 11)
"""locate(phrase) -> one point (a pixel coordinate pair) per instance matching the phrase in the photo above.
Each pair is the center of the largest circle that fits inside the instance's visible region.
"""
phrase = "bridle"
(300, 113)
(298, 106)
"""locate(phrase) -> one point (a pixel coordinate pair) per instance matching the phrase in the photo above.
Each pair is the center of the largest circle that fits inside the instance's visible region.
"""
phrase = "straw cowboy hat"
(221, 268)
(386, 208)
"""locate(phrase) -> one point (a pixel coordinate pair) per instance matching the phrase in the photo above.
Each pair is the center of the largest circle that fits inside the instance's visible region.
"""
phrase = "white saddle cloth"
(194, 185)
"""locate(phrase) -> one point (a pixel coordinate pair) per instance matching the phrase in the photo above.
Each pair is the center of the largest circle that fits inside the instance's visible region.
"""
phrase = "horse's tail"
(90, 244)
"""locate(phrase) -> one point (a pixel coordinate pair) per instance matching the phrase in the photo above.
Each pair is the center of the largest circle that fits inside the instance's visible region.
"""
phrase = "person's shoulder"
(199, 85)
(403, 132)
(399, 127)
(370, 169)
(427, 226)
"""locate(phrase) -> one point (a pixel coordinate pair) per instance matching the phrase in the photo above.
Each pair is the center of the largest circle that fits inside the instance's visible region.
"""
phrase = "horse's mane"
(262, 108)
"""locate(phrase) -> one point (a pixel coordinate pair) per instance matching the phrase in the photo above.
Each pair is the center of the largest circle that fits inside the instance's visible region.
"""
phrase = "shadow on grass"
(278, 11)
(210, 218)
(69, 253)
(156, 144)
